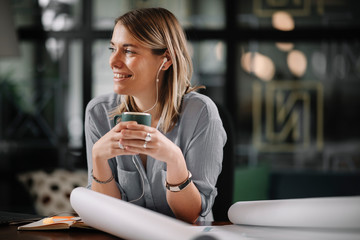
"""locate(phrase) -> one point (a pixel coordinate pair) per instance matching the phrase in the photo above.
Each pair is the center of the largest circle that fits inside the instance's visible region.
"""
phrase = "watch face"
(179, 187)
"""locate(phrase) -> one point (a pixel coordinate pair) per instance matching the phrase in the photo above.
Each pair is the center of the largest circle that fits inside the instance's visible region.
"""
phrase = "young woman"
(171, 166)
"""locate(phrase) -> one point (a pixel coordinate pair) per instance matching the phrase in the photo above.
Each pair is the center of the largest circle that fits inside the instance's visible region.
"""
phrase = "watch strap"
(181, 186)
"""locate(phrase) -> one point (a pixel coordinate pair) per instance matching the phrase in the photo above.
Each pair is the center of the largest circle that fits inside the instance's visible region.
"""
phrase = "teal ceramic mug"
(139, 117)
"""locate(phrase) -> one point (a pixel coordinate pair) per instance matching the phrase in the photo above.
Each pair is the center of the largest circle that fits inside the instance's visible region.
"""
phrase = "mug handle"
(116, 119)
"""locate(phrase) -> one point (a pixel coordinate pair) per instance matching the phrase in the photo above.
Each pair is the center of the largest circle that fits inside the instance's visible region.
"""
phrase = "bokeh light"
(297, 63)
(283, 21)
(258, 64)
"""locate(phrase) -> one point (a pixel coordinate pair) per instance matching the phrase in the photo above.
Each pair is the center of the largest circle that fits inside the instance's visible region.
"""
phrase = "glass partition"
(296, 104)
(209, 67)
(31, 96)
(52, 15)
(102, 82)
(208, 14)
(290, 14)
(74, 97)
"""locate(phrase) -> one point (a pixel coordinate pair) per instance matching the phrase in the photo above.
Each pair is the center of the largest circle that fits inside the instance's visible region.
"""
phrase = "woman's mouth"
(120, 76)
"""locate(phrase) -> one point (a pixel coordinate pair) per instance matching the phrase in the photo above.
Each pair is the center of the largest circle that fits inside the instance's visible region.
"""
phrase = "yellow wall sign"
(287, 116)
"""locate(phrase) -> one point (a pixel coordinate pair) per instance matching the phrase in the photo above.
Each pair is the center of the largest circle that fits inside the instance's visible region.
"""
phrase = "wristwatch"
(181, 186)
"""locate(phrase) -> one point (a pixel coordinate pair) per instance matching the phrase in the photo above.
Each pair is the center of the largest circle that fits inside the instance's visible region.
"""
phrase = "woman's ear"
(167, 61)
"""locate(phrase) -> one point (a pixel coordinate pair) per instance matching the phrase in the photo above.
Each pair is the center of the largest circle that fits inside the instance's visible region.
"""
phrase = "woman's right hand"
(108, 145)
(106, 148)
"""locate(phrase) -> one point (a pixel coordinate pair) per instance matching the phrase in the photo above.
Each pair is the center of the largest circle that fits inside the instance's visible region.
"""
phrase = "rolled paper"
(324, 212)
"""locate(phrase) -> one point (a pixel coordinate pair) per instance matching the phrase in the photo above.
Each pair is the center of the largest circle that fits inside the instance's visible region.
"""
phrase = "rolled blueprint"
(126, 220)
(129, 221)
(326, 212)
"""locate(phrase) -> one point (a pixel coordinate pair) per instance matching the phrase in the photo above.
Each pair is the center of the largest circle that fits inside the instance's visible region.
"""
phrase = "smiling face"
(134, 66)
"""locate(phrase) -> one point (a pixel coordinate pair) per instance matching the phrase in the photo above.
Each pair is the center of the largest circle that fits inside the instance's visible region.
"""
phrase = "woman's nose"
(116, 60)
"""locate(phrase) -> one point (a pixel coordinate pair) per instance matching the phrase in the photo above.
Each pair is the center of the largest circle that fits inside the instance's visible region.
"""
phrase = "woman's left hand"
(185, 204)
(141, 139)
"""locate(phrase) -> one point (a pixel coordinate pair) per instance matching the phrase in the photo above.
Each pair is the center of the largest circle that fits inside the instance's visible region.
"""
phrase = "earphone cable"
(142, 181)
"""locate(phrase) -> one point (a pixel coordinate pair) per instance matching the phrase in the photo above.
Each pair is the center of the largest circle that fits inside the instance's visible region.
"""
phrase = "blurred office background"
(287, 72)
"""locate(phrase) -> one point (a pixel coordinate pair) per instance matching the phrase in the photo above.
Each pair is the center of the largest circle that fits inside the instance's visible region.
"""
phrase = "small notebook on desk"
(55, 223)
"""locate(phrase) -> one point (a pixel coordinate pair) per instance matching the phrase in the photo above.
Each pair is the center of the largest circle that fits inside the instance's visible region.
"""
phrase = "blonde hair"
(159, 30)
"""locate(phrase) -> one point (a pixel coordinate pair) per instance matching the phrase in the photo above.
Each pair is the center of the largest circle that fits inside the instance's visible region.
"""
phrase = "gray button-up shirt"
(200, 135)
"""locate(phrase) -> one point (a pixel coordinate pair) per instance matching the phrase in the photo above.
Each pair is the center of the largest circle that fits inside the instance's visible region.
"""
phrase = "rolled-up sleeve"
(204, 153)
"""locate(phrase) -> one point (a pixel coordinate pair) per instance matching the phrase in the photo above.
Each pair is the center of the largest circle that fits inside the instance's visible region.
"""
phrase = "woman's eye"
(128, 51)
(112, 49)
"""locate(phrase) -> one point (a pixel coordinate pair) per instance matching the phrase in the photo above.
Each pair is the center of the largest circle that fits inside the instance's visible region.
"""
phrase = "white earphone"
(162, 65)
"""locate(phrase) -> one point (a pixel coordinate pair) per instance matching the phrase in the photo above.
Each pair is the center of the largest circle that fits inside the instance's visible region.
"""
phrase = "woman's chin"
(119, 90)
